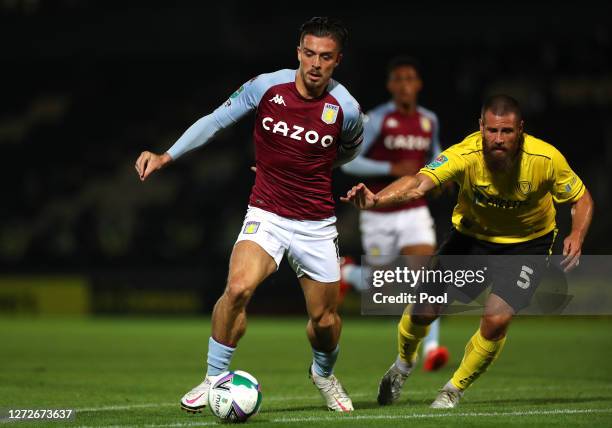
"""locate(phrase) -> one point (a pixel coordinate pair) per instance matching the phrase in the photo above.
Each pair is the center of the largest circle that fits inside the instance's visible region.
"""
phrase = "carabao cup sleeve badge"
(440, 160)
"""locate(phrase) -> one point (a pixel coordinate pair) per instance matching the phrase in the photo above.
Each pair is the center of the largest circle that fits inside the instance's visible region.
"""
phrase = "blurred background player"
(400, 137)
(305, 125)
(509, 184)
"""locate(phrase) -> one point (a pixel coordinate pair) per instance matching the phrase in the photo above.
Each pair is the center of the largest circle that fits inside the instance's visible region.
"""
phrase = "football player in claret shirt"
(305, 125)
(400, 137)
(509, 182)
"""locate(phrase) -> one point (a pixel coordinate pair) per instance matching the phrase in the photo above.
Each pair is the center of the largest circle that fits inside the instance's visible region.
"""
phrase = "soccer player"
(399, 138)
(305, 125)
(509, 182)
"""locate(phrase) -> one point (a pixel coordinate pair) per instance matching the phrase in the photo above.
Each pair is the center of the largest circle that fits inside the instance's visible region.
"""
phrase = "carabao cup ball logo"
(440, 160)
(235, 396)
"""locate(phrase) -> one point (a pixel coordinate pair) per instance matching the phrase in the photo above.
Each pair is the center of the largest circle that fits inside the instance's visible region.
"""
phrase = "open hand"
(361, 197)
(572, 249)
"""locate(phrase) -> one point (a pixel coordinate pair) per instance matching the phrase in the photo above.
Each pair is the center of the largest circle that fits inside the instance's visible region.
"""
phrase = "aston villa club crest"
(524, 187)
(330, 113)
(425, 124)
(251, 227)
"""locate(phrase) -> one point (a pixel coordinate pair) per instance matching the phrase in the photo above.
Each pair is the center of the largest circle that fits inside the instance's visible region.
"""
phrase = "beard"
(313, 85)
(500, 161)
(497, 162)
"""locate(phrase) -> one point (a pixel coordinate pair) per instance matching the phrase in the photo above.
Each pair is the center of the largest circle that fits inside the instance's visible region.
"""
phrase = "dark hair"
(501, 105)
(322, 26)
(404, 61)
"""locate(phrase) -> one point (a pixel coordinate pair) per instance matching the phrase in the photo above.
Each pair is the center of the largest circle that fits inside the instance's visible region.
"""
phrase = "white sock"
(431, 341)
(450, 387)
(356, 276)
(403, 366)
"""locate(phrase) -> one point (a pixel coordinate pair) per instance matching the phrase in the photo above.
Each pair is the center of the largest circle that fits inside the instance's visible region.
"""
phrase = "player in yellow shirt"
(509, 182)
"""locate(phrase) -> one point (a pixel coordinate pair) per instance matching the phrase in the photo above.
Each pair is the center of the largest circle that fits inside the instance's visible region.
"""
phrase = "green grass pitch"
(124, 372)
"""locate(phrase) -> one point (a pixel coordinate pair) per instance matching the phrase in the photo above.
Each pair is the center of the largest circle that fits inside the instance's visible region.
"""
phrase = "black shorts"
(513, 271)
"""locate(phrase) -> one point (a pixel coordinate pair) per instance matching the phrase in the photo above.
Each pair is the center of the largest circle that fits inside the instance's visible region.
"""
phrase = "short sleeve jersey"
(514, 208)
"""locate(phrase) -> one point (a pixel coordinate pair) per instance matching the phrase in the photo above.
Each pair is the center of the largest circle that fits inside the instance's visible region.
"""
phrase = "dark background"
(86, 86)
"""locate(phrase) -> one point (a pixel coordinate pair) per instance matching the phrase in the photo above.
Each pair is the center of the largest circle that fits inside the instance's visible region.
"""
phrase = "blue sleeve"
(436, 147)
(361, 165)
(241, 102)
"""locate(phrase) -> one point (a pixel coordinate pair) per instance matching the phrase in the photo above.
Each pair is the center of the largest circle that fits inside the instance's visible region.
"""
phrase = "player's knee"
(494, 327)
(423, 319)
(238, 292)
(424, 314)
(324, 320)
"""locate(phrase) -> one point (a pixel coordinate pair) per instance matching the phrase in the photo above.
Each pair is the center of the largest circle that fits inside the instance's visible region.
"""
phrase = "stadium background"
(88, 85)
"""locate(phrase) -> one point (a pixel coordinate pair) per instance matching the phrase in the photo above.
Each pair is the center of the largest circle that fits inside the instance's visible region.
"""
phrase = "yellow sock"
(479, 354)
(409, 337)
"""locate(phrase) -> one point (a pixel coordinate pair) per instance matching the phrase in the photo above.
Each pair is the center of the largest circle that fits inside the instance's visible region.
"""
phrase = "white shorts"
(385, 234)
(311, 245)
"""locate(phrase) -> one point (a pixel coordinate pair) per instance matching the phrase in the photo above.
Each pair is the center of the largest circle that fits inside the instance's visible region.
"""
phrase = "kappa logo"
(278, 99)
(330, 113)
(392, 123)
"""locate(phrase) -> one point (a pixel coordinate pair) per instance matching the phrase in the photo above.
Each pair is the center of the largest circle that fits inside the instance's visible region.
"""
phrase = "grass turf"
(132, 372)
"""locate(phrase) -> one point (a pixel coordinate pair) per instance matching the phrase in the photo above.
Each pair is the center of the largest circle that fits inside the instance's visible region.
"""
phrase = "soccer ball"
(235, 396)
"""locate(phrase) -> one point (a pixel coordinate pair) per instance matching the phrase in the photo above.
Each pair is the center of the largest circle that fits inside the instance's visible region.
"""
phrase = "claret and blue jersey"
(297, 141)
(391, 136)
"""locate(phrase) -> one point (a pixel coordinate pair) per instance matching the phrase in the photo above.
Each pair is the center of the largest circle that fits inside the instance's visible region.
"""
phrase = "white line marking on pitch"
(352, 418)
(315, 397)
(443, 415)
(176, 403)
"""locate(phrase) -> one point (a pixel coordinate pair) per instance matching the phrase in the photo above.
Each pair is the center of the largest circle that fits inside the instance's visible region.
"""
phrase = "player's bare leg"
(480, 352)
(324, 324)
(323, 331)
(249, 266)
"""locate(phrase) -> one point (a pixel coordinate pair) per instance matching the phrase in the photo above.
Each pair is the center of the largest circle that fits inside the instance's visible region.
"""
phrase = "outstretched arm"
(582, 213)
(240, 103)
(402, 190)
(195, 136)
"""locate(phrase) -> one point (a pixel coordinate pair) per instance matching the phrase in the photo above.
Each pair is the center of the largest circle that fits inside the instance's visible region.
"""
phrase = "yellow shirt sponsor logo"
(516, 207)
